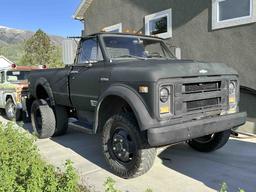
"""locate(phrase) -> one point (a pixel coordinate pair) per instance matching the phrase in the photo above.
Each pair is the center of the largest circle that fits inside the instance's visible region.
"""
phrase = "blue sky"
(52, 16)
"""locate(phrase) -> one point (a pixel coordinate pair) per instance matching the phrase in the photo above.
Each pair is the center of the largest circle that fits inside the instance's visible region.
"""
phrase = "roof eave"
(82, 8)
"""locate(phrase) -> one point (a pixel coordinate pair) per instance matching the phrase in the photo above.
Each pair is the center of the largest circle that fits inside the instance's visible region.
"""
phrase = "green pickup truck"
(134, 92)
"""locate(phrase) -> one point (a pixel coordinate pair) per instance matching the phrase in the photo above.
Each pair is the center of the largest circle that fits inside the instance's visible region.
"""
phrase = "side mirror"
(178, 53)
(69, 47)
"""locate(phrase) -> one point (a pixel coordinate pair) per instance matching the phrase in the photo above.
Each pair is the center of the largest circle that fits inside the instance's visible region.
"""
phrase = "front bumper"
(190, 130)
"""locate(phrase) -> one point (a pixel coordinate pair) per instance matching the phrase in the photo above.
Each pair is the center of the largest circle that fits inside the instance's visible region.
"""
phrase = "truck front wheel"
(122, 147)
(12, 113)
(42, 119)
(211, 142)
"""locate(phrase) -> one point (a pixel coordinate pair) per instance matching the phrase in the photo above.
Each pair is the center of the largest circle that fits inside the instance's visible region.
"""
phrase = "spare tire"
(211, 142)
(42, 119)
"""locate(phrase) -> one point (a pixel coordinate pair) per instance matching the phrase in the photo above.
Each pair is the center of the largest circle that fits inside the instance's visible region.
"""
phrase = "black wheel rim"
(122, 145)
(38, 120)
(205, 139)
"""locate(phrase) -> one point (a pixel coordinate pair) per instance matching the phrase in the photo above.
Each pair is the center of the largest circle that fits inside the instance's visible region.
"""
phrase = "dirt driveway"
(177, 168)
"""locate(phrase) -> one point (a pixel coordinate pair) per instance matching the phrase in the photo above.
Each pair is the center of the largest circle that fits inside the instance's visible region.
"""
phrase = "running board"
(81, 126)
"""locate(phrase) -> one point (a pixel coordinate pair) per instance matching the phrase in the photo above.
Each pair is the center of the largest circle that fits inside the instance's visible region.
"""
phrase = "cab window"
(13, 76)
(90, 51)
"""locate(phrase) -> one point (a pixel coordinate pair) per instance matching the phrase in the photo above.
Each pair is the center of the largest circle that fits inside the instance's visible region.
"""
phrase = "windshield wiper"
(131, 56)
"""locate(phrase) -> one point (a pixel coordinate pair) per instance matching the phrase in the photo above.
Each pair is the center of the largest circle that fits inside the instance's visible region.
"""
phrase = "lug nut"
(115, 140)
(121, 140)
(119, 154)
(124, 150)
(114, 148)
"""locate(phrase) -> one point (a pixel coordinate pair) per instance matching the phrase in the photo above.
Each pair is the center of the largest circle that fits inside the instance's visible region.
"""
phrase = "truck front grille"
(201, 87)
(203, 104)
(197, 95)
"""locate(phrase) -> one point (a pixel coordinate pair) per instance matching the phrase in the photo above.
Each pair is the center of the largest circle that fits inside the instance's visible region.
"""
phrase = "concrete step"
(249, 126)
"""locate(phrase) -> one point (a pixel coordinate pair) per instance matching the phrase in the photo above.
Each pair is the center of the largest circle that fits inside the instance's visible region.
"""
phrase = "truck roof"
(117, 33)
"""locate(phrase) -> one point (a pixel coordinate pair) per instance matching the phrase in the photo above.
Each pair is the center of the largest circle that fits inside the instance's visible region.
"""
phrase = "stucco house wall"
(192, 32)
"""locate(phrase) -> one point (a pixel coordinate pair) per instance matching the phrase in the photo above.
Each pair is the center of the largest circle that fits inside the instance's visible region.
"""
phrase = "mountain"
(14, 36)
(12, 42)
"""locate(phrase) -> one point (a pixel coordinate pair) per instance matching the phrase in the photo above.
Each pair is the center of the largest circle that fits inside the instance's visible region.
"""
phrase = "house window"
(228, 13)
(118, 28)
(159, 24)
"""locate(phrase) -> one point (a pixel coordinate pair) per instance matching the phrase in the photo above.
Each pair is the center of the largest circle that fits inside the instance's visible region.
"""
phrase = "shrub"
(23, 170)
(110, 186)
(224, 188)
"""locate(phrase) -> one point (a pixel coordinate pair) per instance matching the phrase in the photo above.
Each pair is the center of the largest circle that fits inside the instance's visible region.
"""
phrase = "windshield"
(135, 47)
(14, 76)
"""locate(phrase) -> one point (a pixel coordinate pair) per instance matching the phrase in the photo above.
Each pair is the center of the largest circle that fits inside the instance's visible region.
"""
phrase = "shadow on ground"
(235, 163)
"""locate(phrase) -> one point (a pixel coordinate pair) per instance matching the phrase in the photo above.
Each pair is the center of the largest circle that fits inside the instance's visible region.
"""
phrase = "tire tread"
(61, 120)
(48, 119)
(144, 160)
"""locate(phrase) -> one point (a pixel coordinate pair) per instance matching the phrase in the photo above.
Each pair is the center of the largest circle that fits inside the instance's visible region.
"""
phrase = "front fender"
(132, 98)
(11, 95)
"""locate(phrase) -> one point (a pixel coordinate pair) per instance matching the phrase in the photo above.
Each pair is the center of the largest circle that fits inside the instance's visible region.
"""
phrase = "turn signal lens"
(143, 89)
(164, 109)
(232, 99)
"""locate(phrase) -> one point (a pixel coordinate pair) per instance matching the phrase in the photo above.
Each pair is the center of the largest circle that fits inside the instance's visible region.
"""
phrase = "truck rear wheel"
(211, 142)
(12, 113)
(122, 147)
(43, 119)
(61, 116)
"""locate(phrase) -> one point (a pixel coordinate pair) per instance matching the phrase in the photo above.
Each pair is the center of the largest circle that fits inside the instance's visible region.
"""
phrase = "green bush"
(224, 188)
(110, 186)
(23, 170)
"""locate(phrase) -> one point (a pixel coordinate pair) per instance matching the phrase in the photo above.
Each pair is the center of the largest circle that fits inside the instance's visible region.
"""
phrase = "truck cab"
(133, 91)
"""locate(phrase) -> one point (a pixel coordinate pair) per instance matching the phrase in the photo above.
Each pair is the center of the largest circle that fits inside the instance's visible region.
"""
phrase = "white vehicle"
(13, 81)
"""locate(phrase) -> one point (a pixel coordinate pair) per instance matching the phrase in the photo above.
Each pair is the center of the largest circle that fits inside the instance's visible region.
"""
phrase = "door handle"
(74, 72)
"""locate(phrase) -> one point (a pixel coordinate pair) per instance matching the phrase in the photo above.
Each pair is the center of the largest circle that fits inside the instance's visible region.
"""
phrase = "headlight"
(165, 105)
(164, 95)
(232, 87)
(232, 100)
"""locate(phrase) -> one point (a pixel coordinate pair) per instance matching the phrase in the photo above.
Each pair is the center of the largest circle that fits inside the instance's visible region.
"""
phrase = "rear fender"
(46, 85)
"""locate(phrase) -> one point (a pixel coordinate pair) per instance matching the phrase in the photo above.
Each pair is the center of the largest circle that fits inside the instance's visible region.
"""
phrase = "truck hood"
(153, 70)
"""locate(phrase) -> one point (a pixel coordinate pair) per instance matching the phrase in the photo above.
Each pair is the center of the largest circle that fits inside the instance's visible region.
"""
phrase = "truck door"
(85, 75)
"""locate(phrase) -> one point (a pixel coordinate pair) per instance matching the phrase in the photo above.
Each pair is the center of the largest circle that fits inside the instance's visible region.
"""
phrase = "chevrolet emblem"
(203, 71)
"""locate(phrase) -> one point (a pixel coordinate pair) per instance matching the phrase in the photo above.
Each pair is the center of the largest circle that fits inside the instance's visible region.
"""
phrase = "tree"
(40, 51)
